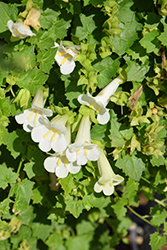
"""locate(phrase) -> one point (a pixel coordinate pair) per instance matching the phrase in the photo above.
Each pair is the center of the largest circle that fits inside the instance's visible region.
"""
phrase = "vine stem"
(156, 200)
(144, 219)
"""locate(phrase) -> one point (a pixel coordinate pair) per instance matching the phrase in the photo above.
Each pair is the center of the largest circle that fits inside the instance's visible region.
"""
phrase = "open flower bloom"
(30, 117)
(59, 164)
(82, 149)
(108, 178)
(65, 57)
(50, 135)
(19, 29)
(100, 102)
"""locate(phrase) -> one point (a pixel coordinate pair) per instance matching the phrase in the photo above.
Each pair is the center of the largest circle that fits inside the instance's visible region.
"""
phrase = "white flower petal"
(59, 144)
(61, 171)
(81, 158)
(103, 118)
(93, 154)
(50, 164)
(21, 118)
(67, 67)
(98, 188)
(73, 168)
(108, 190)
(45, 145)
(38, 133)
(72, 156)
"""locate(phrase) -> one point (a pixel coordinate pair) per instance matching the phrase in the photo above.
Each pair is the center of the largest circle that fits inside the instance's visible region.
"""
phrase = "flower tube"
(30, 117)
(65, 57)
(108, 179)
(19, 29)
(82, 149)
(100, 102)
(50, 135)
(59, 164)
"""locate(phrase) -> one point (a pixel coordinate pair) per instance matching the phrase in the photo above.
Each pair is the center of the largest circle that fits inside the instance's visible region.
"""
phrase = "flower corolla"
(108, 179)
(50, 135)
(100, 102)
(65, 57)
(82, 149)
(59, 164)
(30, 117)
(19, 29)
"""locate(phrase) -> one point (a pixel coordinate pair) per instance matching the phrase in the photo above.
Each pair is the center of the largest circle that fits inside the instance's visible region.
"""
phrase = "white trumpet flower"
(19, 29)
(108, 179)
(30, 117)
(65, 57)
(50, 135)
(59, 164)
(100, 102)
(82, 149)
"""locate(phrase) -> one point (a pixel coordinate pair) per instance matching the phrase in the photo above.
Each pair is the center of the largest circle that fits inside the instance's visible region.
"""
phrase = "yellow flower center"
(65, 59)
(59, 161)
(61, 53)
(92, 105)
(104, 185)
(36, 117)
(48, 133)
(30, 115)
(66, 162)
(53, 137)
(98, 110)
(111, 184)
(78, 151)
(86, 150)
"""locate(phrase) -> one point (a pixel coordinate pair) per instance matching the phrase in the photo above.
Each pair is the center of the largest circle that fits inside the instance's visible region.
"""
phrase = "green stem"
(156, 200)
(142, 218)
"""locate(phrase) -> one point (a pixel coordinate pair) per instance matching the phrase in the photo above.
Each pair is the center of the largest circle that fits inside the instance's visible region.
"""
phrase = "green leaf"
(129, 27)
(157, 241)
(46, 59)
(10, 146)
(107, 69)
(119, 208)
(60, 28)
(136, 71)
(55, 240)
(116, 137)
(7, 176)
(7, 12)
(88, 26)
(132, 166)
(23, 193)
(28, 168)
(98, 132)
(35, 76)
(41, 231)
(4, 136)
(149, 41)
(131, 192)
(80, 242)
(48, 18)
(74, 207)
(159, 215)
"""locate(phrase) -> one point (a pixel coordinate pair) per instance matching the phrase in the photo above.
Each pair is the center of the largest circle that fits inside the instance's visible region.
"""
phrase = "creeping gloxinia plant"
(19, 29)
(100, 102)
(30, 117)
(108, 179)
(65, 57)
(59, 164)
(50, 135)
(82, 149)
